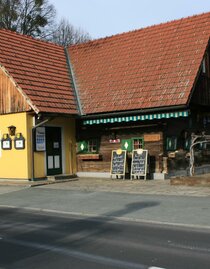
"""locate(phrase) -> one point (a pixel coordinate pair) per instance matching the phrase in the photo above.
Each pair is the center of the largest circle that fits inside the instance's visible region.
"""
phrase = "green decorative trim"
(138, 118)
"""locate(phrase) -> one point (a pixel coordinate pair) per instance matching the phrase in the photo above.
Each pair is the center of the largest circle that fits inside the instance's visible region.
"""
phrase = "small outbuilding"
(37, 109)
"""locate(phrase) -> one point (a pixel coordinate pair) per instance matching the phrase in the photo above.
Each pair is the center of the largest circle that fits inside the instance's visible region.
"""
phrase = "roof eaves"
(28, 100)
(137, 111)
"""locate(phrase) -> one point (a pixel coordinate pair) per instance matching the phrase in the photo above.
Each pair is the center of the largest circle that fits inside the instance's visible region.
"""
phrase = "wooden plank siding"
(201, 95)
(103, 164)
(11, 100)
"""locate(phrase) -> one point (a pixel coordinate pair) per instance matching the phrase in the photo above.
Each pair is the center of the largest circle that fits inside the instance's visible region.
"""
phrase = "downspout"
(32, 146)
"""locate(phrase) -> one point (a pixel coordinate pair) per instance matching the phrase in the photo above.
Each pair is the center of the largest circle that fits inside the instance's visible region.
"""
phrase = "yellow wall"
(17, 164)
(14, 163)
(68, 147)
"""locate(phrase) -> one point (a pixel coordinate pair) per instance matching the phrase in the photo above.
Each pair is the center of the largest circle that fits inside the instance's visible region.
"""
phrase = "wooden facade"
(11, 99)
(170, 161)
(156, 135)
(151, 135)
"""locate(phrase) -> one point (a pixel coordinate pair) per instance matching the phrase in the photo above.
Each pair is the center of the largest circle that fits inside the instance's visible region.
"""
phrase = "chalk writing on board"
(139, 162)
(118, 162)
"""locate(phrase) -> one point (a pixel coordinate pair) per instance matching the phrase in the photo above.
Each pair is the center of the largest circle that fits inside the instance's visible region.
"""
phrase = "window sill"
(89, 156)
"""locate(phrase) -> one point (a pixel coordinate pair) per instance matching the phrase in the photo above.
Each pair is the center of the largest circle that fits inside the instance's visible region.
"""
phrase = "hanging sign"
(40, 140)
(118, 162)
(139, 163)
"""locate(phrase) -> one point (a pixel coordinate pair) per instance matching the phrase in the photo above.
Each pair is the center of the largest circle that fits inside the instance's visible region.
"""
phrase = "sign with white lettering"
(118, 162)
(139, 163)
(40, 139)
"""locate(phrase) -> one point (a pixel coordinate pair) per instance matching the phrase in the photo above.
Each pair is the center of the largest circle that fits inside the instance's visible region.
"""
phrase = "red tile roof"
(151, 67)
(40, 69)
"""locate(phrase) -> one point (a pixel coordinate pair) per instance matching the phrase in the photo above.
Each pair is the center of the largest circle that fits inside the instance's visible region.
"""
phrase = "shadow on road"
(131, 207)
(41, 229)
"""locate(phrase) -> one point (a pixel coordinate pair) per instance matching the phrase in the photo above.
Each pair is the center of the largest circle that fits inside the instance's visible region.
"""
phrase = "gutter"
(133, 112)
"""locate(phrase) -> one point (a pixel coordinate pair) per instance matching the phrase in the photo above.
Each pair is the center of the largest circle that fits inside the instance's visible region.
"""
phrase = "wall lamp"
(11, 130)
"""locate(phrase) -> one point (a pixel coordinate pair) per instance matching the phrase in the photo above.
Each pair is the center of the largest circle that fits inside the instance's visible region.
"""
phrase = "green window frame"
(137, 143)
(171, 143)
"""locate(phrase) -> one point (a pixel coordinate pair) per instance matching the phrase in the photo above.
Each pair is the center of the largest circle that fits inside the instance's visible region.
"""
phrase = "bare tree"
(30, 17)
(66, 34)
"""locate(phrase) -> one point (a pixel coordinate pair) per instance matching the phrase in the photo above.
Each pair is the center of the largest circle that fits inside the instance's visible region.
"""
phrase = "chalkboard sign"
(118, 162)
(139, 163)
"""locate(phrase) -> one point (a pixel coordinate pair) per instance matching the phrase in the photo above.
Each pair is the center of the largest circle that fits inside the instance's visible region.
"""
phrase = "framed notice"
(6, 142)
(40, 139)
(19, 141)
(118, 163)
(139, 163)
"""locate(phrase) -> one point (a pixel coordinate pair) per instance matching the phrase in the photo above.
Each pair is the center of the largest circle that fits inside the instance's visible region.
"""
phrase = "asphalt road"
(35, 239)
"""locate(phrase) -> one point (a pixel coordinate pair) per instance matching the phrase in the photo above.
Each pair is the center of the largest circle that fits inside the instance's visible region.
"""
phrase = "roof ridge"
(29, 37)
(137, 30)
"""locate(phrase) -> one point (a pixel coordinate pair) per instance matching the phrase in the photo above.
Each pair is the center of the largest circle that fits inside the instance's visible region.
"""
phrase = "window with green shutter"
(171, 143)
(88, 146)
(132, 143)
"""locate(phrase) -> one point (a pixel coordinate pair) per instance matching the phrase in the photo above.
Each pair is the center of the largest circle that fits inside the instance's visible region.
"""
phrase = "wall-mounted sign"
(114, 141)
(40, 140)
(152, 137)
(19, 141)
(6, 142)
(56, 145)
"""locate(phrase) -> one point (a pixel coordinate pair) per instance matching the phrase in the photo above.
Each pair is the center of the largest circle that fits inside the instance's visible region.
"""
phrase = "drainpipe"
(32, 146)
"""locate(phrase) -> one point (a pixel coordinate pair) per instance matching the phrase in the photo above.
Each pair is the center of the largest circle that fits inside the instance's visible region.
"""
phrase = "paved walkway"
(152, 201)
(152, 187)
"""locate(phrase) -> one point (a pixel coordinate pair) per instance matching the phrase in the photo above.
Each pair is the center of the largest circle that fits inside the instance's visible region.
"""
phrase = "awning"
(138, 118)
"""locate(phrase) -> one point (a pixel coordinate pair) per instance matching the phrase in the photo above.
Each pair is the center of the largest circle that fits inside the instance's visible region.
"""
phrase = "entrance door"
(53, 150)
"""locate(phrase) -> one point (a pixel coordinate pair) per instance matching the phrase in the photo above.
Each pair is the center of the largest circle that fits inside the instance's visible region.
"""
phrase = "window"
(204, 66)
(171, 143)
(92, 145)
(88, 146)
(187, 143)
(132, 143)
(138, 143)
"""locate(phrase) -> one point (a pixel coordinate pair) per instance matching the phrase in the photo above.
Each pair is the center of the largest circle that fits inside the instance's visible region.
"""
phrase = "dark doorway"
(53, 150)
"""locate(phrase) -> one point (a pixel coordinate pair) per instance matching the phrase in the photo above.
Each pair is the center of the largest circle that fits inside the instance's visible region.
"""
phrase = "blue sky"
(102, 18)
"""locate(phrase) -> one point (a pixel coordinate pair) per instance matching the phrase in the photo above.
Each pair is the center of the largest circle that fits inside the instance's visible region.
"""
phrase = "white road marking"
(153, 267)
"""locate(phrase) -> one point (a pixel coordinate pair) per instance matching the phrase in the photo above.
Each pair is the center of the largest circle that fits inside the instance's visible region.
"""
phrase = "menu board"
(118, 162)
(139, 163)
